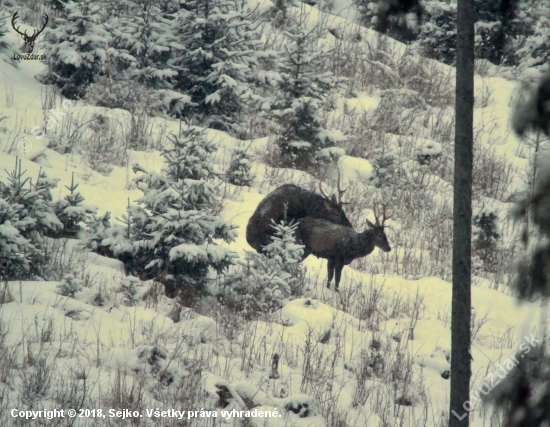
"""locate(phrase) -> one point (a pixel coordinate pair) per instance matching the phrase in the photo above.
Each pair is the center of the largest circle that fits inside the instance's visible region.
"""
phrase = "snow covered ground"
(92, 356)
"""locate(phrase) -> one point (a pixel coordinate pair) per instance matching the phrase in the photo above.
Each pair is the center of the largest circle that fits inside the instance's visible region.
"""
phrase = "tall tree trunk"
(462, 218)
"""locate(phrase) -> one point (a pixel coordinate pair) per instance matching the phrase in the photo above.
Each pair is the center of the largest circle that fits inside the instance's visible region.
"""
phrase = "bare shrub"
(421, 241)
(476, 323)
(127, 392)
(142, 132)
(104, 140)
(8, 94)
(153, 295)
(73, 388)
(368, 306)
(9, 356)
(492, 173)
(230, 323)
(364, 142)
(101, 147)
(126, 94)
(190, 390)
(36, 379)
(5, 294)
(2, 118)
(49, 95)
(62, 257)
(381, 64)
(442, 126)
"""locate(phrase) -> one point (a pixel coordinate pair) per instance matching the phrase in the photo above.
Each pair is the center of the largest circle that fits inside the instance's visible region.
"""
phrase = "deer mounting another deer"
(292, 203)
(340, 245)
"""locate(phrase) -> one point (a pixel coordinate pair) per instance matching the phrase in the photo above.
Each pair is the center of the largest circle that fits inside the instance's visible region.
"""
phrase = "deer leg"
(339, 269)
(300, 241)
(330, 269)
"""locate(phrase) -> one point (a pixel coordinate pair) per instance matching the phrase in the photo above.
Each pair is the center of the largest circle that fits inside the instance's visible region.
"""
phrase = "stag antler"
(321, 190)
(384, 216)
(334, 197)
(340, 191)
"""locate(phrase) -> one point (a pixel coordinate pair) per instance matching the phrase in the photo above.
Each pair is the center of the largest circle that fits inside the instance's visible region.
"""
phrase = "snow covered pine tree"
(26, 216)
(71, 212)
(295, 107)
(75, 49)
(238, 172)
(136, 75)
(263, 282)
(216, 53)
(169, 236)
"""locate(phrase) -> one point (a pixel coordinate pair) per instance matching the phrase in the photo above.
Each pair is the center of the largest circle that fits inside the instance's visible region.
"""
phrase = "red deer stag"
(341, 245)
(299, 204)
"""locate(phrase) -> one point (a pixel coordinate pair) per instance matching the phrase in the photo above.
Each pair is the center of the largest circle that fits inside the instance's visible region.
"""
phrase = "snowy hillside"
(375, 354)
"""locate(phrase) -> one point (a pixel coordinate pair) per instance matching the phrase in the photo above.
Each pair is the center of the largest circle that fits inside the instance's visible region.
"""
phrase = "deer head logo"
(29, 40)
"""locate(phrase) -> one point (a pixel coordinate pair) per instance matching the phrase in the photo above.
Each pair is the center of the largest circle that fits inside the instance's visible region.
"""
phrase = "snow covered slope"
(94, 350)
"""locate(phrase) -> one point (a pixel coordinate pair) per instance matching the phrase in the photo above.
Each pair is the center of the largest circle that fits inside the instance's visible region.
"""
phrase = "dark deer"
(29, 40)
(341, 245)
(299, 204)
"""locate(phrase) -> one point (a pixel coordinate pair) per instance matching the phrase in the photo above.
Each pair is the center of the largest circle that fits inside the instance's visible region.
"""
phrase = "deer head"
(336, 199)
(29, 40)
(379, 236)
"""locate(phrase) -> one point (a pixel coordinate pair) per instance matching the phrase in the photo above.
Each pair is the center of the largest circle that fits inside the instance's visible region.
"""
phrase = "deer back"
(298, 203)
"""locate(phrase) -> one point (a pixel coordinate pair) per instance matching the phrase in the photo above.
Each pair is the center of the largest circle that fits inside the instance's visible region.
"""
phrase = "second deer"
(340, 245)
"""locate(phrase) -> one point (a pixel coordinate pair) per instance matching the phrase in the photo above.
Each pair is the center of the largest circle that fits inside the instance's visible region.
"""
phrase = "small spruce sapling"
(263, 282)
(95, 228)
(16, 252)
(69, 286)
(258, 286)
(289, 254)
(72, 212)
(189, 155)
(239, 172)
(129, 287)
(26, 216)
(139, 50)
(170, 235)
(485, 236)
(32, 202)
(386, 171)
(296, 108)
